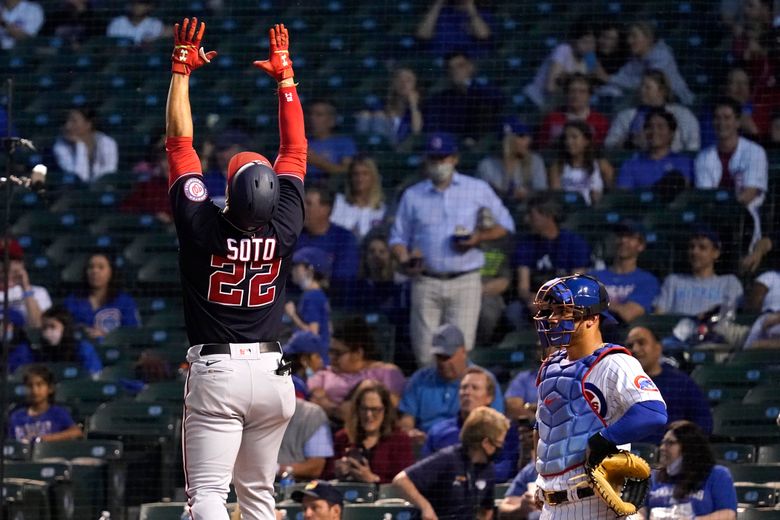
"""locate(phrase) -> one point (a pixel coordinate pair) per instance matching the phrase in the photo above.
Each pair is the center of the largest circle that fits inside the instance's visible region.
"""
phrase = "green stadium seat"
(171, 392)
(354, 492)
(383, 511)
(630, 204)
(499, 490)
(16, 450)
(759, 514)
(769, 454)
(732, 375)
(162, 511)
(44, 224)
(733, 453)
(62, 371)
(762, 394)
(160, 271)
(746, 422)
(150, 433)
(75, 246)
(758, 473)
(173, 319)
(147, 245)
(85, 396)
(503, 363)
(119, 224)
(389, 491)
(26, 498)
(757, 357)
(660, 324)
(84, 201)
(58, 475)
(120, 372)
(72, 272)
(646, 450)
(16, 391)
(756, 495)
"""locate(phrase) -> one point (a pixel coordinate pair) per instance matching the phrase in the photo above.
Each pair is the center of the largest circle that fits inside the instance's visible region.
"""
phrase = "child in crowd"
(310, 272)
(41, 420)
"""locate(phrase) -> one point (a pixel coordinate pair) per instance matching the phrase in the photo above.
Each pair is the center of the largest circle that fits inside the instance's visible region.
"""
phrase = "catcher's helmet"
(562, 302)
(252, 192)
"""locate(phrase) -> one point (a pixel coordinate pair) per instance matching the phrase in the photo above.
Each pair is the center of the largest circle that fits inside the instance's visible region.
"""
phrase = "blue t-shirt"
(334, 148)
(684, 400)
(447, 433)
(524, 477)
(25, 427)
(564, 253)
(455, 488)
(23, 354)
(640, 171)
(715, 494)
(313, 307)
(429, 398)
(523, 385)
(340, 245)
(638, 286)
(119, 312)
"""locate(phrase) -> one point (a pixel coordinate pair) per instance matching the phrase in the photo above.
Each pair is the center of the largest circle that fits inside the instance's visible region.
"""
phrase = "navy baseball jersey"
(233, 283)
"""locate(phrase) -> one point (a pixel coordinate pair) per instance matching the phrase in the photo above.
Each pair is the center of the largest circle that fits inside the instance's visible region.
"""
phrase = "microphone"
(38, 178)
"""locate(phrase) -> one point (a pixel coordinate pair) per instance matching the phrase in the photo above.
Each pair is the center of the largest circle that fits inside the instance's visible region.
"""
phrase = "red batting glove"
(188, 55)
(278, 65)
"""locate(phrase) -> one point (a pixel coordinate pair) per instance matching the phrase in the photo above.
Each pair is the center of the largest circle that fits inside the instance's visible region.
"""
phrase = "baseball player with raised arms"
(593, 397)
(239, 395)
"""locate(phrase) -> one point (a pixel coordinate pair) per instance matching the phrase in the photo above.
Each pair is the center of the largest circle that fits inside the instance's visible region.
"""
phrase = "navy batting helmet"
(252, 191)
(562, 302)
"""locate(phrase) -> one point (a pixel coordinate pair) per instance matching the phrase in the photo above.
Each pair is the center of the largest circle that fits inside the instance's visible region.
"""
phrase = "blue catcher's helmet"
(562, 302)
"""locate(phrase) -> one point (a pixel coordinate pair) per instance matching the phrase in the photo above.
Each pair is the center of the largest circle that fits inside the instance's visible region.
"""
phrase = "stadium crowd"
(414, 279)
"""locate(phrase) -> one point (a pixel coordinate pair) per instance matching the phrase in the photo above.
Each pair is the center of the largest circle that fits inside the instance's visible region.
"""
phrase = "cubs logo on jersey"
(645, 384)
(596, 399)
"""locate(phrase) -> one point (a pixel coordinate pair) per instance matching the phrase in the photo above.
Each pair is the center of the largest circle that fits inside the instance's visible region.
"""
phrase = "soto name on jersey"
(251, 249)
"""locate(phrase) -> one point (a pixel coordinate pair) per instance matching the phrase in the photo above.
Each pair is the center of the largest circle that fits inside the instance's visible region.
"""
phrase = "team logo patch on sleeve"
(195, 190)
(596, 399)
(645, 383)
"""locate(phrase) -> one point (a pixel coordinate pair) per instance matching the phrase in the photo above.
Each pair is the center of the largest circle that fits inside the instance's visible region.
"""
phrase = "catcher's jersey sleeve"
(616, 383)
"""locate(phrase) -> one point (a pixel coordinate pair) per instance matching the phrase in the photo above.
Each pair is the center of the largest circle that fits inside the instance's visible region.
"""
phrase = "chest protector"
(565, 418)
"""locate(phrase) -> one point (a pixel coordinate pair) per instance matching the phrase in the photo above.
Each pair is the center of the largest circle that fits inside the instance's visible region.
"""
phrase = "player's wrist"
(288, 82)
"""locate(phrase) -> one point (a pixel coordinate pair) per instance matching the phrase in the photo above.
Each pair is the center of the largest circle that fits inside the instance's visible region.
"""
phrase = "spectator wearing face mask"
(59, 344)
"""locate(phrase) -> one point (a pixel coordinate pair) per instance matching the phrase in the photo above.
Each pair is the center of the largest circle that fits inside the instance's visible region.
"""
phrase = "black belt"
(447, 276)
(208, 349)
(555, 498)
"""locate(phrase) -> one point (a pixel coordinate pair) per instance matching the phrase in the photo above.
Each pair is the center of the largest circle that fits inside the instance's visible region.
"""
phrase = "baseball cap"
(303, 342)
(446, 340)
(707, 232)
(319, 489)
(629, 227)
(15, 251)
(441, 144)
(513, 125)
(315, 257)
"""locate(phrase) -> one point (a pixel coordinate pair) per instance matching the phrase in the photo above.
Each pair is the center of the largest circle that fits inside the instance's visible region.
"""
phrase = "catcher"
(593, 397)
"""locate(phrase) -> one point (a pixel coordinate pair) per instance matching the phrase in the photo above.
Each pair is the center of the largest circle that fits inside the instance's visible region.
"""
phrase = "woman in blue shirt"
(99, 306)
(59, 344)
(689, 484)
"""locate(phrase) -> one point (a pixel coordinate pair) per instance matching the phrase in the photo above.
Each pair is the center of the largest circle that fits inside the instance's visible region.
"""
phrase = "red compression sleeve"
(182, 158)
(292, 135)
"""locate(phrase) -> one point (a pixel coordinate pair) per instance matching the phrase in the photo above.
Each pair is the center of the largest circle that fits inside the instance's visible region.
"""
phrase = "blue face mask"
(309, 372)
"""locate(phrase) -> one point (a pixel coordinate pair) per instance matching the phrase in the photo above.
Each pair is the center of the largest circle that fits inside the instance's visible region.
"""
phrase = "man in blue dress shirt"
(435, 239)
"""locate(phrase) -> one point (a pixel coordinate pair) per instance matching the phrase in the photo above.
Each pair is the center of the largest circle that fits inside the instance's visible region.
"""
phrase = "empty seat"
(162, 511)
(646, 450)
(59, 477)
(163, 392)
(746, 422)
(383, 511)
(756, 495)
(731, 453)
(85, 396)
(26, 498)
(758, 473)
(769, 454)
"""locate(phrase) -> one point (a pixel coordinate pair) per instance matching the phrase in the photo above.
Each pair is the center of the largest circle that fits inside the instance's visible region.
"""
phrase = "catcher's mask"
(562, 303)
(252, 192)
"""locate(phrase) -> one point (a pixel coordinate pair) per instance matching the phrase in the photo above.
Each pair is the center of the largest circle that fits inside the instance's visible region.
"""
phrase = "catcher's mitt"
(622, 481)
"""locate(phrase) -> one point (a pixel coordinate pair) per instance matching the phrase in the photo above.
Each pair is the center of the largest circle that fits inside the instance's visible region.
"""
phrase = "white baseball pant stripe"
(235, 414)
(591, 508)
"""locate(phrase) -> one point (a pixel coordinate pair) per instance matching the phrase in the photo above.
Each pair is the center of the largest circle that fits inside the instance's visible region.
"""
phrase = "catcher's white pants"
(235, 414)
(591, 508)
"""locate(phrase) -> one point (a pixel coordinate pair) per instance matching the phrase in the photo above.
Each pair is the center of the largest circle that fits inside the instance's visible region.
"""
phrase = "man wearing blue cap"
(321, 501)
(631, 289)
(435, 239)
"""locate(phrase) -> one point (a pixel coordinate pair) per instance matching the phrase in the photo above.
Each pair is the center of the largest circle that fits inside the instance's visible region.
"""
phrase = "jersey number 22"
(225, 283)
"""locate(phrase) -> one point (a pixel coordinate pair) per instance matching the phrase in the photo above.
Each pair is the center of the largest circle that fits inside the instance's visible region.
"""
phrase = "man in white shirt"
(27, 299)
(19, 19)
(137, 25)
(734, 162)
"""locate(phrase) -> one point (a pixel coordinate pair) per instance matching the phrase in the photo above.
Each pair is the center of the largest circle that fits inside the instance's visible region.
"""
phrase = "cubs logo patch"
(645, 383)
(596, 399)
(195, 190)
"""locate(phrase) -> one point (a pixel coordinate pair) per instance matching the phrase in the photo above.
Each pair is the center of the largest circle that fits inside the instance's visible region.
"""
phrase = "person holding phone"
(370, 448)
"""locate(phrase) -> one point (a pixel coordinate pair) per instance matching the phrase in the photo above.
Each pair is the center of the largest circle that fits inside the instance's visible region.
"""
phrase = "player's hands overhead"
(278, 65)
(188, 55)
